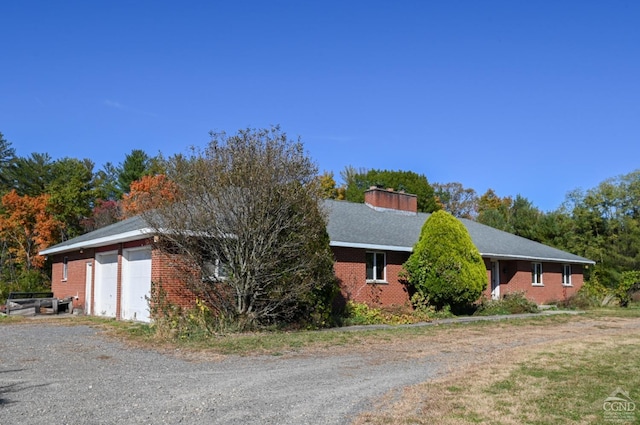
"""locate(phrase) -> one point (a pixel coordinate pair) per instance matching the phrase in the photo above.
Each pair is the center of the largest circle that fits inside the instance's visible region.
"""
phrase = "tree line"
(46, 201)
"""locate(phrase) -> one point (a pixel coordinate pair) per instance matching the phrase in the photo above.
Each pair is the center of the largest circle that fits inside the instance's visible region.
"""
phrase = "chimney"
(381, 199)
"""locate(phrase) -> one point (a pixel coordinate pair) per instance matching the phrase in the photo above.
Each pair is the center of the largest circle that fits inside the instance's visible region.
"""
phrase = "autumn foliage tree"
(27, 227)
(148, 193)
(103, 214)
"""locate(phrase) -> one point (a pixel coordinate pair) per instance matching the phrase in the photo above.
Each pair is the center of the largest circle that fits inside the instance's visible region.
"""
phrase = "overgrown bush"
(594, 291)
(175, 322)
(628, 284)
(255, 201)
(594, 294)
(581, 300)
(512, 303)
(362, 314)
(423, 308)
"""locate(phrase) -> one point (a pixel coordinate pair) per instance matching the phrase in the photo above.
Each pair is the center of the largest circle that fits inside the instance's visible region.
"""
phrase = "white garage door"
(106, 284)
(136, 284)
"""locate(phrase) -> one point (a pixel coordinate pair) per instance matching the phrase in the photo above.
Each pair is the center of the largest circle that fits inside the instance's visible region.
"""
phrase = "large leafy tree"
(106, 183)
(248, 217)
(31, 175)
(102, 214)
(456, 199)
(445, 266)
(494, 210)
(72, 193)
(603, 223)
(27, 227)
(136, 165)
(68, 182)
(328, 186)
(358, 181)
(518, 216)
(113, 181)
(148, 193)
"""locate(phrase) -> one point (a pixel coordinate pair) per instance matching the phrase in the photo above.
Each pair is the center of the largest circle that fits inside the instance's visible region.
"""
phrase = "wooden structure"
(32, 303)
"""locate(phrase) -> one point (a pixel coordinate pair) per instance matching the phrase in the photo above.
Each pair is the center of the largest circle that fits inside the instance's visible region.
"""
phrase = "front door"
(495, 280)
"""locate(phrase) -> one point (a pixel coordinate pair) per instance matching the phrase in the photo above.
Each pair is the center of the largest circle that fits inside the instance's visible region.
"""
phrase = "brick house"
(109, 271)
(371, 241)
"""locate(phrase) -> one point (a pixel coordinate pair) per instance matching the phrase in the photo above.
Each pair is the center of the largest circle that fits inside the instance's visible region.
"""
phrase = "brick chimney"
(388, 199)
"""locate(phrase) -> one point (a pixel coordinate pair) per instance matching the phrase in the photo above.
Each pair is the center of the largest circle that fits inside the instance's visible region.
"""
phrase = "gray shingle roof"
(131, 229)
(360, 226)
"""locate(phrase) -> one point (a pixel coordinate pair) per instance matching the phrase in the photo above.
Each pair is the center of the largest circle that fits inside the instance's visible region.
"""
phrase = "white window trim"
(65, 268)
(215, 277)
(375, 267)
(566, 267)
(534, 275)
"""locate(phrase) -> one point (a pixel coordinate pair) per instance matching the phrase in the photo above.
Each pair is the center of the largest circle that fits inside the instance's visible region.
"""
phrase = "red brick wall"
(351, 272)
(74, 286)
(168, 271)
(515, 276)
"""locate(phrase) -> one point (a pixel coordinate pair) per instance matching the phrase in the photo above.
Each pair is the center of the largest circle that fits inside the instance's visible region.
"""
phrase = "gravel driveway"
(55, 373)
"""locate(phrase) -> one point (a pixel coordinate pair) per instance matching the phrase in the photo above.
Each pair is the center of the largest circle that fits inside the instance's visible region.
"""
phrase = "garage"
(136, 284)
(106, 284)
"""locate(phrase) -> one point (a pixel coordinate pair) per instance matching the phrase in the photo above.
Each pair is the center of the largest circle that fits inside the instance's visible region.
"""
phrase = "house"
(371, 241)
(109, 271)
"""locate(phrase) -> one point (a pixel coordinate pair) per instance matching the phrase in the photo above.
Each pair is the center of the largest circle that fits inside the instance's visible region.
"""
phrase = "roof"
(131, 229)
(359, 226)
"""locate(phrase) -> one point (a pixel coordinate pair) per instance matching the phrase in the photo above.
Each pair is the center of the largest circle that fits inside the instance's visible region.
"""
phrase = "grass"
(560, 382)
(281, 342)
(10, 319)
(632, 311)
(568, 385)
(278, 342)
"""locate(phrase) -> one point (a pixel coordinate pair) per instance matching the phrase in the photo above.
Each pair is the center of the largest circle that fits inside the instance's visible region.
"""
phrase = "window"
(566, 274)
(536, 274)
(214, 270)
(65, 268)
(376, 264)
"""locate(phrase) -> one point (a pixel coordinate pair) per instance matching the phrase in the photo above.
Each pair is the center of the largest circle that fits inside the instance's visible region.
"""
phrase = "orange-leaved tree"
(27, 227)
(148, 193)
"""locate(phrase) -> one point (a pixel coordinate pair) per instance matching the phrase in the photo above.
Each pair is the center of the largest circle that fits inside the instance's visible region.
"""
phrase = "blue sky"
(526, 97)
